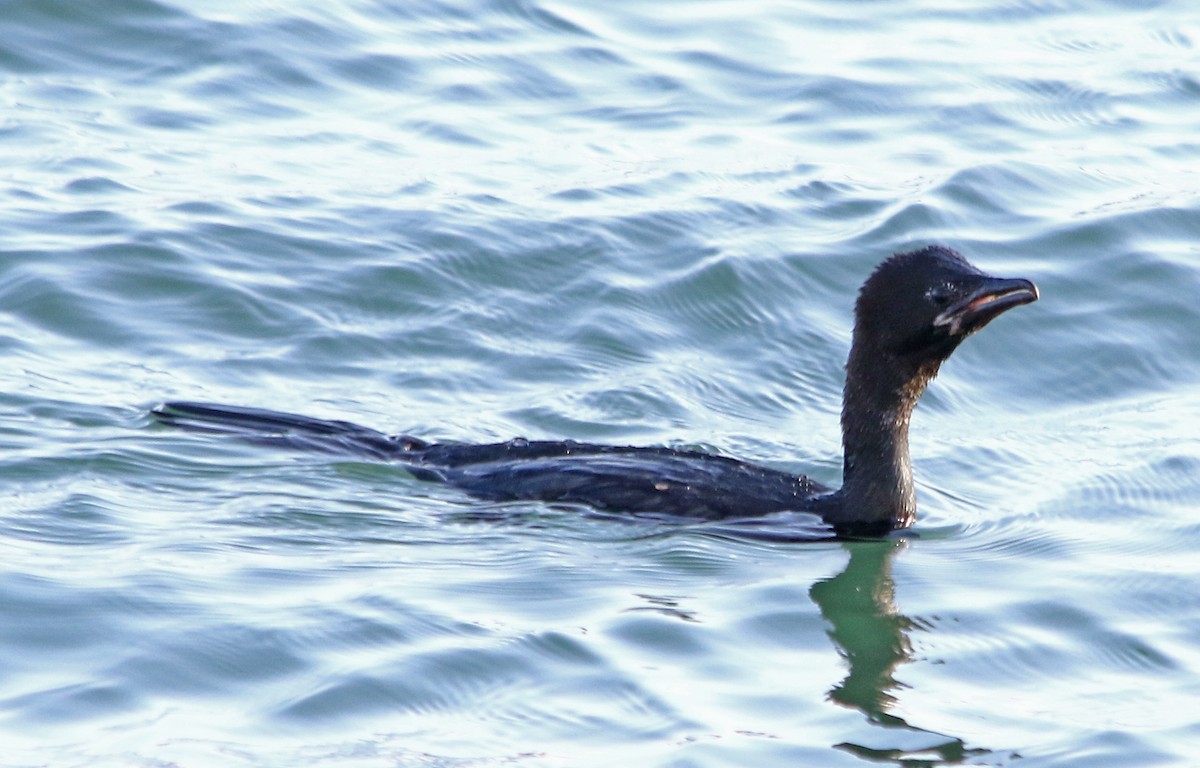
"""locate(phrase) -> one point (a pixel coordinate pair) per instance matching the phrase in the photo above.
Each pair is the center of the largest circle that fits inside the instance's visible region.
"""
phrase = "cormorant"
(911, 314)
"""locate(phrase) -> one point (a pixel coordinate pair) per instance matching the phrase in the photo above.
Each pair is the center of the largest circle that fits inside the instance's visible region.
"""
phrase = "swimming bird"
(911, 314)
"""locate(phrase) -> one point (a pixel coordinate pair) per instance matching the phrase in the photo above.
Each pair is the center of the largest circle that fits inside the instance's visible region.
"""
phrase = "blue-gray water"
(636, 222)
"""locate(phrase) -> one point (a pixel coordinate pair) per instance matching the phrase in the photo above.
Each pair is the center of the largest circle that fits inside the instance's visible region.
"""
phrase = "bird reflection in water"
(873, 637)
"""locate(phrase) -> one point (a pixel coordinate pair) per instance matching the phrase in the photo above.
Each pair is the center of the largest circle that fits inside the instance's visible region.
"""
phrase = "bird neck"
(877, 483)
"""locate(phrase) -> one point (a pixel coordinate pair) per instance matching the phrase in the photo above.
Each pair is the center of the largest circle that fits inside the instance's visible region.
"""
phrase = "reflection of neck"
(872, 636)
(858, 602)
(877, 406)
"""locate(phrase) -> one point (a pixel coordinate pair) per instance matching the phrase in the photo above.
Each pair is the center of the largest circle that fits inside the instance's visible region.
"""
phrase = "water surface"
(630, 222)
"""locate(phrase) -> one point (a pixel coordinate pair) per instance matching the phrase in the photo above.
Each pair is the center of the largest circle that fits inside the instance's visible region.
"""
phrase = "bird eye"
(940, 296)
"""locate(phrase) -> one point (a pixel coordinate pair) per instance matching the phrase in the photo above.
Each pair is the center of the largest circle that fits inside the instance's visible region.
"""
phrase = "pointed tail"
(288, 430)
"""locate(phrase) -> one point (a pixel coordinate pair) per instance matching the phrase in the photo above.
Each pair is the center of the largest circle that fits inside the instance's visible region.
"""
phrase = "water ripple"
(626, 222)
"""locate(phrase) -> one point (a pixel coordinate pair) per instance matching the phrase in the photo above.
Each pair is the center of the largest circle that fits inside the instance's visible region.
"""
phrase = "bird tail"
(288, 430)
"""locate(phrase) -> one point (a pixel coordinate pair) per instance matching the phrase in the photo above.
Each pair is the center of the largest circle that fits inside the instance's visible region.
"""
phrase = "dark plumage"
(911, 314)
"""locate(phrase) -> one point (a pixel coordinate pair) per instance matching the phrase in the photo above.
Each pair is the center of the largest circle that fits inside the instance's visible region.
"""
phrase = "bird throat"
(877, 480)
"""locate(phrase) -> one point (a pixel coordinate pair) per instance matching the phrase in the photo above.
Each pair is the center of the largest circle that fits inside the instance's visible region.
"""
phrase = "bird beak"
(990, 298)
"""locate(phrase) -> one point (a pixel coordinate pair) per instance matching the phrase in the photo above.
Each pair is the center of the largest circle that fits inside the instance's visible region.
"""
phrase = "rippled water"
(631, 222)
